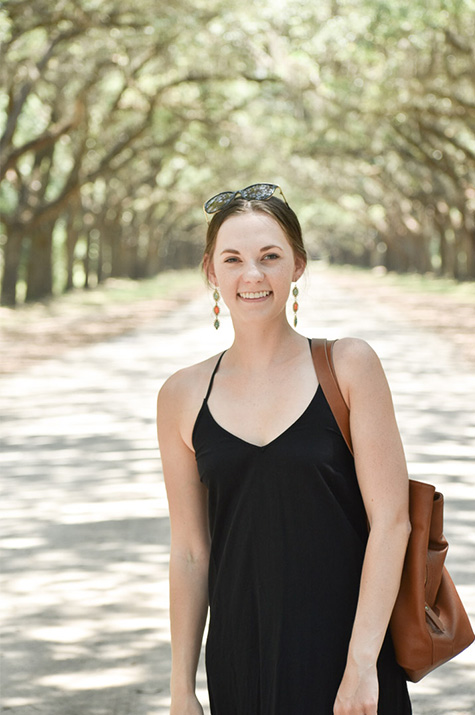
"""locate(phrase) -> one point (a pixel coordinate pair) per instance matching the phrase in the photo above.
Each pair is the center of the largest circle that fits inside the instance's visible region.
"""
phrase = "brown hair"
(274, 207)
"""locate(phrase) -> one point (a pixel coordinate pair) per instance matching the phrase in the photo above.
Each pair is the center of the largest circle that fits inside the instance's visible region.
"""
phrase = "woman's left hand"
(358, 692)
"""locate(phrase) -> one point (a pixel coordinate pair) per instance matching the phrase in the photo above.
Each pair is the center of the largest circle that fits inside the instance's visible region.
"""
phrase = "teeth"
(262, 294)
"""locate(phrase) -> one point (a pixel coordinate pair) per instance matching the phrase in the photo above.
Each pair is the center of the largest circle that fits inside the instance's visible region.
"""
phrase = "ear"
(208, 268)
(300, 266)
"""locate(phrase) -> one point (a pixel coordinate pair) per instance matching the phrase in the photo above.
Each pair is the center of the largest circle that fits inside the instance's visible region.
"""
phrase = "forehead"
(249, 229)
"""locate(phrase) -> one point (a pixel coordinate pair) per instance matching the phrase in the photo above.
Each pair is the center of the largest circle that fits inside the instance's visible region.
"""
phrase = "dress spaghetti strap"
(216, 368)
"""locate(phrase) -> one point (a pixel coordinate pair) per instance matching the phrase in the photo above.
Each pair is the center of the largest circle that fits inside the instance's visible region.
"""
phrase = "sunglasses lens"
(255, 192)
(258, 192)
(216, 203)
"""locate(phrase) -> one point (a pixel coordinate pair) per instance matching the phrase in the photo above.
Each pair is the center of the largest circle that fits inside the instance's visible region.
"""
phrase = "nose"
(253, 272)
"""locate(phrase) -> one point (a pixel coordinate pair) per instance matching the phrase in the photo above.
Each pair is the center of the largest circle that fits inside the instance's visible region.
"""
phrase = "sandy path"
(84, 510)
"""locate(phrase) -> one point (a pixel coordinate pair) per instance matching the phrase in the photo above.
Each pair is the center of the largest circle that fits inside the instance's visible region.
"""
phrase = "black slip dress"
(288, 530)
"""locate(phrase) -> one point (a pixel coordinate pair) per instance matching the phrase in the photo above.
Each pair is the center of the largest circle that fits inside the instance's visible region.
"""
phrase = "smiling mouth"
(255, 296)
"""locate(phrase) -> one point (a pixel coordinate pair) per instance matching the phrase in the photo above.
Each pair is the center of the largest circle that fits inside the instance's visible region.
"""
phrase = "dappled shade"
(85, 522)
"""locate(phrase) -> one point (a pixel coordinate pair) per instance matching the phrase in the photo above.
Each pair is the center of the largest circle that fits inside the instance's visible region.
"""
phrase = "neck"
(256, 346)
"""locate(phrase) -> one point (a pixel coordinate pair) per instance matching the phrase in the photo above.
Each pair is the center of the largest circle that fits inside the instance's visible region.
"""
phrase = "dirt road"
(84, 510)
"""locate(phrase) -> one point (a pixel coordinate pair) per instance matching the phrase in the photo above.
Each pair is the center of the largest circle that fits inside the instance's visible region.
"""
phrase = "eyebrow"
(236, 252)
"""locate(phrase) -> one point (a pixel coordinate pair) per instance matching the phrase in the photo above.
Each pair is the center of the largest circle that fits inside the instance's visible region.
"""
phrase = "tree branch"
(18, 103)
(40, 143)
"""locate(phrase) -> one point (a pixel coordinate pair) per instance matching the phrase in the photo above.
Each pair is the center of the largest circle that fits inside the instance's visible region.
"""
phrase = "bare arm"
(189, 553)
(383, 480)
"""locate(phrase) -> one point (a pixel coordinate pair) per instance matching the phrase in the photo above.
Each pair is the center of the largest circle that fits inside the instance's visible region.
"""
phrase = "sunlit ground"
(85, 517)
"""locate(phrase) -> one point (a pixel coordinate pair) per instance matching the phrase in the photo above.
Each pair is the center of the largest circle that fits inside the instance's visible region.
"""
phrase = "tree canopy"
(117, 121)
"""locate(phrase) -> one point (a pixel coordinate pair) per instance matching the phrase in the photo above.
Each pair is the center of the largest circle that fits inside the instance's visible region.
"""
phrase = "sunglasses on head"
(255, 192)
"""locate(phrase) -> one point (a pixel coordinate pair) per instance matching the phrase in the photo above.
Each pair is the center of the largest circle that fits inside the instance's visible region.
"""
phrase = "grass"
(126, 290)
(116, 291)
(428, 284)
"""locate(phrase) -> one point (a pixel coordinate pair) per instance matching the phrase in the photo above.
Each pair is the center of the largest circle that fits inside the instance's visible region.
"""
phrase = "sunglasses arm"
(208, 216)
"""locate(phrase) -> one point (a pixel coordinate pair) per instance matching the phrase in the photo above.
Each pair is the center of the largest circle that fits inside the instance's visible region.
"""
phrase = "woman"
(269, 512)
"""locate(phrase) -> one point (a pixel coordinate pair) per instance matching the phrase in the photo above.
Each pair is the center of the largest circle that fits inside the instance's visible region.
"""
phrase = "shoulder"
(187, 381)
(182, 393)
(355, 353)
(357, 366)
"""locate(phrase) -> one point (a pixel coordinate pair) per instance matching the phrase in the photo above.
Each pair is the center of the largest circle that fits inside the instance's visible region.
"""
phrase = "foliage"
(117, 121)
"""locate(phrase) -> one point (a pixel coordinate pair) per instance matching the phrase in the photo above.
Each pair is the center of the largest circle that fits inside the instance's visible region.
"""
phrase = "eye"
(271, 256)
(231, 259)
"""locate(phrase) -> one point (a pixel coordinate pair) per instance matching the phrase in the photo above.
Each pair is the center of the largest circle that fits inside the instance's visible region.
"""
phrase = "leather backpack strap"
(322, 354)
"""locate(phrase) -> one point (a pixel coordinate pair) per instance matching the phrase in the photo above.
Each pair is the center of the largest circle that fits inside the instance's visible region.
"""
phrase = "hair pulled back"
(274, 207)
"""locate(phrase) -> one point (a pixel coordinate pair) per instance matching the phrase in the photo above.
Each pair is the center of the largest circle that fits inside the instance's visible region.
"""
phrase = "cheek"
(285, 272)
(225, 280)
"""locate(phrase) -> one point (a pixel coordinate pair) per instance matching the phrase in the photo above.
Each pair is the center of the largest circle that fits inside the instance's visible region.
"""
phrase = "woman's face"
(253, 266)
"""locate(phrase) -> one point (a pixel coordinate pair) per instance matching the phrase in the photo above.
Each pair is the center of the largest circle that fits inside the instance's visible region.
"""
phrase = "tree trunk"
(469, 234)
(117, 250)
(87, 260)
(459, 268)
(72, 236)
(100, 258)
(471, 257)
(422, 253)
(443, 246)
(39, 282)
(11, 257)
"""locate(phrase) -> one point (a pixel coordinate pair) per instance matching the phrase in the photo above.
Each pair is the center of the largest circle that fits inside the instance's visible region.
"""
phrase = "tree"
(119, 121)
(95, 98)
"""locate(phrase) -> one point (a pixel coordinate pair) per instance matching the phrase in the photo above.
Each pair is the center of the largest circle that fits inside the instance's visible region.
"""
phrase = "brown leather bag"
(429, 625)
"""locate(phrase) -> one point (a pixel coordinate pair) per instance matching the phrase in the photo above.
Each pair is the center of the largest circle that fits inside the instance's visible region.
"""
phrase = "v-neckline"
(275, 439)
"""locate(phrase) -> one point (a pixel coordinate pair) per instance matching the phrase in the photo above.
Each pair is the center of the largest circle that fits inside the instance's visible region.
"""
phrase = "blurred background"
(118, 120)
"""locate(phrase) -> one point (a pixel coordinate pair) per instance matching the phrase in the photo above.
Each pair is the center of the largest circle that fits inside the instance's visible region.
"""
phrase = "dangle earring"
(295, 305)
(216, 307)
